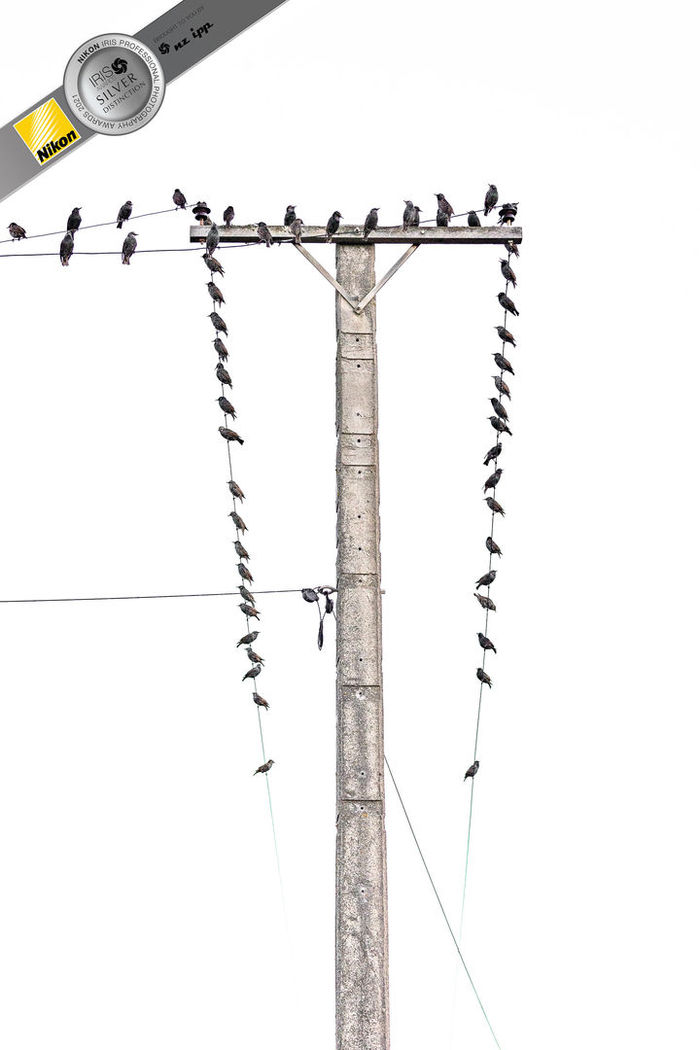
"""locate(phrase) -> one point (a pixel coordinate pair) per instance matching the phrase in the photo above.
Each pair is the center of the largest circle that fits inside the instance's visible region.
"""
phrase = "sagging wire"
(144, 597)
(90, 226)
(140, 251)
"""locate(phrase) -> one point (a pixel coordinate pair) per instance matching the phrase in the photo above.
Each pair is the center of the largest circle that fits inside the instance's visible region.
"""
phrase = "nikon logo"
(47, 131)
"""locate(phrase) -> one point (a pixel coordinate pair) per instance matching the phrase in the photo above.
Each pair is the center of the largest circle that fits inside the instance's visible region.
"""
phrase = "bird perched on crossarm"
(474, 767)
(296, 230)
(408, 214)
(264, 235)
(124, 214)
(17, 232)
(333, 225)
(445, 211)
(473, 219)
(485, 642)
(229, 214)
(128, 248)
(371, 222)
(290, 215)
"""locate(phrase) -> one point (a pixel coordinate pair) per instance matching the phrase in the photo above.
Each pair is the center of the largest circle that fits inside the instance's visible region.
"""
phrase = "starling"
(493, 453)
(508, 304)
(296, 230)
(124, 214)
(444, 208)
(502, 386)
(498, 408)
(493, 480)
(495, 506)
(474, 767)
(485, 602)
(226, 406)
(491, 199)
(371, 222)
(218, 322)
(213, 237)
(266, 766)
(128, 248)
(487, 579)
(179, 199)
(17, 232)
(408, 214)
(264, 235)
(500, 425)
(241, 526)
(248, 639)
(228, 216)
(221, 349)
(253, 673)
(416, 215)
(473, 219)
(483, 677)
(241, 551)
(507, 272)
(213, 264)
(250, 611)
(504, 335)
(66, 249)
(74, 220)
(253, 657)
(485, 642)
(442, 218)
(215, 293)
(503, 363)
(309, 594)
(260, 701)
(512, 249)
(223, 376)
(244, 572)
(492, 547)
(333, 225)
(290, 215)
(235, 490)
(245, 593)
(230, 435)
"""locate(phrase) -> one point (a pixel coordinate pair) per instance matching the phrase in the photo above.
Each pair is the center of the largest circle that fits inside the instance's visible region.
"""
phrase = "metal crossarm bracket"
(358, 307)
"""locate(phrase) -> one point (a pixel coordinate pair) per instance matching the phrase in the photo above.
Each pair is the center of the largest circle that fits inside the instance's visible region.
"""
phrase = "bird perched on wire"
(512, 248)
(260, 701)
(179, 199)
(487, 579)
(213, 264)
(371, 222)
(503, 363)
(265, 767)
(124, 214)
(223, 376)
(241, 551)
(483, 677)
(235, 490)
(213, 238)
(504, 335)
(66, 249)
(230, 435)
(218, 322)
(264, 235)
(226, 406)
(296, 229)
(507, 272)
(473, 219)
(474, 767)
(309, 594)
(229, 214)
(498, 408)
(128, 248)
(249, 610)
(508, 304)
(408, 215)
(500, 425)
(492, 547)
(253, 673)
(17, 232)
(253, 657)
(493, 480)
(485, 642)
(333, 225)
(244, 572)
(221, 349)
(245, 594)
(290, 215)
(445, 211)
(502, 387)
(248, 639)
(485, 602)
(493, 453)
(215, 292)
(495, 506)
(74, 220)
(242, 527)
(491, 199)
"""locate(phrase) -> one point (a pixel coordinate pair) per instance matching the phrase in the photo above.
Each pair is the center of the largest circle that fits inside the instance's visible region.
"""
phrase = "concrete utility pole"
(362, 977)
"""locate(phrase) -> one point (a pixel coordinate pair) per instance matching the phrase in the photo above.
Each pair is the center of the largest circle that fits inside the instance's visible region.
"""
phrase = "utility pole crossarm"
(382, 235)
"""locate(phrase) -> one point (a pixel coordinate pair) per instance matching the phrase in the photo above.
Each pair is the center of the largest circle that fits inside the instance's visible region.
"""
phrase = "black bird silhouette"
(333, 225)
(230, 435)
(124, 214)
(493, 480)
(498, 408)
(487, 579)
(309, 594)
(444, 208)
(493, 453)
(483, 677)
(213, 238)
(492, 547)
(245, 593)
(249, 610)
(508, 304)
(416, 215)
(218, 322)
(296, 229)
(253, 657)
(507, 272)
(264, 235)
(265, 767)
(502, 386)
(240, 525)
(485, 642)
(485, 602)
(473, 219)
(442, 218)
(290, 214)
(474, 767)
(229, 216)
(247, 639)
(371, 222)
(495, 506)
(220, 349)
(235, 490)
(241, 551)
(179, 199)
(408, 214)
(504, 335)
(215, 292)
(226, 406)
(260, 701)
(74, 220)
(491, 199)
(512, 248)
(503, 363)
(500, 425)
(244, 572)
(66, 249)
(213, 264)
(223, 376)
(128, 248)
(17, 232)
(253, 673)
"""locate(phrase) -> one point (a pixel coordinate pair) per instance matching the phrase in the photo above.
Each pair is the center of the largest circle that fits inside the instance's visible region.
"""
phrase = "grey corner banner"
(181, 38)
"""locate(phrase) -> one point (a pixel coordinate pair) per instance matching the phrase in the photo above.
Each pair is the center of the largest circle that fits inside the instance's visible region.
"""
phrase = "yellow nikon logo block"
(47, 131)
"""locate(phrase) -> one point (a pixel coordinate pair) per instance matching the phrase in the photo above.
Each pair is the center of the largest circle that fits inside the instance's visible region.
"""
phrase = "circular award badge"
(114, 84)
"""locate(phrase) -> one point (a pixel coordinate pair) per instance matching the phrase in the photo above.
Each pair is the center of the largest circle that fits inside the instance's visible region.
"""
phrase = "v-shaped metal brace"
(357, 307)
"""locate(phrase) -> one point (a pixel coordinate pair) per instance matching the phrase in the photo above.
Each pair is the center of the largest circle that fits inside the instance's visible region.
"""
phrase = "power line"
(92, 226)
(139, 251)
(144, 597)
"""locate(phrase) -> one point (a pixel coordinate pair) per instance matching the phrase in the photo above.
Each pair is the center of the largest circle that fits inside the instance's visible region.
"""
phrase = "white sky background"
(138, 898)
